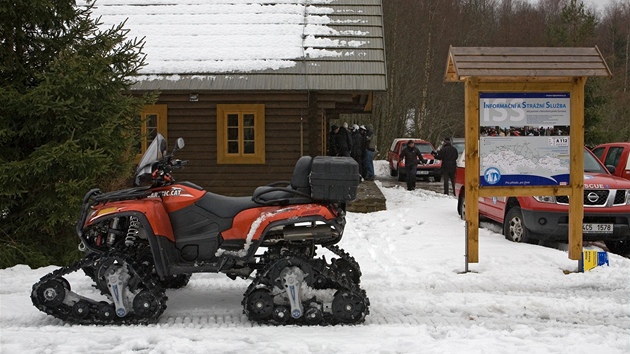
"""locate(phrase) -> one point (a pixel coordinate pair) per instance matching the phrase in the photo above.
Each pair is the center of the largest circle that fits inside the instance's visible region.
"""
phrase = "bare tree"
(613, 38)
(418, 35)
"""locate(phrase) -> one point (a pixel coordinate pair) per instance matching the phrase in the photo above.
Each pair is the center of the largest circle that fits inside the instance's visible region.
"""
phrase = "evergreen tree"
(67, 122)
(575, 26)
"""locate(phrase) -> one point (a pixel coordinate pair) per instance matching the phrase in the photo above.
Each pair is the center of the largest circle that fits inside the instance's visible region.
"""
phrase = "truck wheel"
(620, 247)
(514, 228)
(437, 178)
(461, 206)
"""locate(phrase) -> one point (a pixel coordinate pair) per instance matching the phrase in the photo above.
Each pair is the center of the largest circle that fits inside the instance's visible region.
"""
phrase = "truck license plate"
(423, 172)
(597, 228)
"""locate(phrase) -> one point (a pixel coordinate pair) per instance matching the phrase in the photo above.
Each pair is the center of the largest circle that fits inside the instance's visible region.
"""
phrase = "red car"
(615, 155)
(424, 171)
(530, 219)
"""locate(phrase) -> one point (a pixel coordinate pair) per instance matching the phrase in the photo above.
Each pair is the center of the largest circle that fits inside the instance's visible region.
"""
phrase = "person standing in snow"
(357, 147)
(332, 145)
(411, 155)
(448, 154)
(343, 142)
(368, 153)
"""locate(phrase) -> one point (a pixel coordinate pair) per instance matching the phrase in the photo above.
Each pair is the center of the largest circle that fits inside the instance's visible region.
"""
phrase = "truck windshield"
(591, 164)
(424, 148)
(459, 146)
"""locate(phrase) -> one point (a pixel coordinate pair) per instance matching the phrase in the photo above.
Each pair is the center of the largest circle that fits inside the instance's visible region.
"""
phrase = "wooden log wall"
(288, 134)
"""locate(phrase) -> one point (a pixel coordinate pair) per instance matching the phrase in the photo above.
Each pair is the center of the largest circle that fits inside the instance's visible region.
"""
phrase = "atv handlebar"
(159, 173)
(178, 164)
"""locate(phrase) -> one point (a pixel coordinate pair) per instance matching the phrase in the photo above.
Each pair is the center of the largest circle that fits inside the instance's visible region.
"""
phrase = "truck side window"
(614, 154)
(599, 152)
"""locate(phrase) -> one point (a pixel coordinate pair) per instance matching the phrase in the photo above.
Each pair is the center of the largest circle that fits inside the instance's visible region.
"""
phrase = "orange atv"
(141, 240)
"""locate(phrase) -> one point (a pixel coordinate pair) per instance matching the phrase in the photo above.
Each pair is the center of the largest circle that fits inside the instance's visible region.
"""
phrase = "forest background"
(418, 34)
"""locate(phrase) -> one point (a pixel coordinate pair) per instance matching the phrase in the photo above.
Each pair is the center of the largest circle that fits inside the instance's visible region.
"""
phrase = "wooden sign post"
(524, 72)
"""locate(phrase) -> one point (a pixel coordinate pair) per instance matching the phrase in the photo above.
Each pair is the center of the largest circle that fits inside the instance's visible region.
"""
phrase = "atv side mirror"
(179, 144)
(163, 146)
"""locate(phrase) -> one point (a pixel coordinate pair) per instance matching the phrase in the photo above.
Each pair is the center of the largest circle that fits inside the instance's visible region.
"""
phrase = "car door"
(612, 157)
(492, 207)
(624, 172)
(618, 157)
(600, 152)
(393, 156)
(489, 207)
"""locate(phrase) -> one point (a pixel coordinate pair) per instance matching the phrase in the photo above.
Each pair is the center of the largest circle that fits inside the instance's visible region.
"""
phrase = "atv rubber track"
(326, 277)
(93, 312)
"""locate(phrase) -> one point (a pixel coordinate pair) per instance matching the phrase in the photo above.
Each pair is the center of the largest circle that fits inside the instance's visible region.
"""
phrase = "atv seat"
(224, 206)
(298, 190)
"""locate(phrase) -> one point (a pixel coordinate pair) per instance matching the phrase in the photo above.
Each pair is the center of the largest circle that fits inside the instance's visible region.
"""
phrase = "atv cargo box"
(334, 178)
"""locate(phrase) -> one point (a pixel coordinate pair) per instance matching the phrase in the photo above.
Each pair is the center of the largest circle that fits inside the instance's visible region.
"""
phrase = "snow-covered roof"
(255, 44)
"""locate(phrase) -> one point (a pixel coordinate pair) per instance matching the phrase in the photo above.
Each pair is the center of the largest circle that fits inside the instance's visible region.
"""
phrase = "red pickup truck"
(530, 219)
(424, 171)
(615, 155)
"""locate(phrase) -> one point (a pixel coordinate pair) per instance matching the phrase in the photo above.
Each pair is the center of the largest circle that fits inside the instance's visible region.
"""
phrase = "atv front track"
(53, 295)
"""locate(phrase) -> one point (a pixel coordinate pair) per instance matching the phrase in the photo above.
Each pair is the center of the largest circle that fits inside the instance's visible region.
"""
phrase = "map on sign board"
(533, 161)
(524, 139)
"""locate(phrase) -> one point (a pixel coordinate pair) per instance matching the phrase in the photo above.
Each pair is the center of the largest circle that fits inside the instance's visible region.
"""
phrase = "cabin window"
(240, 133)
(154, 121)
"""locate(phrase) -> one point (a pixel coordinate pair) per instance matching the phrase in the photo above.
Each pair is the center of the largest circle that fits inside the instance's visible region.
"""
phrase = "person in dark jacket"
(369, 152)
(357, 147)
(448, 154)
(411, 155)
(332, 145)
(343, 142)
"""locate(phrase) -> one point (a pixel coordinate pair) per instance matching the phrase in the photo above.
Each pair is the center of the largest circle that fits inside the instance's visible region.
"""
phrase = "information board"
(524, 138)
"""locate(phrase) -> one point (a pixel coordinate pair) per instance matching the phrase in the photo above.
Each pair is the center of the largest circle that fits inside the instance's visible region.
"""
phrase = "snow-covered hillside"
(517, 299)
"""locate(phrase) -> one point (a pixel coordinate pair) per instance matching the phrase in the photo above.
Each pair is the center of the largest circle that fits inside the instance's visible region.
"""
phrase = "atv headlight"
(545, 199)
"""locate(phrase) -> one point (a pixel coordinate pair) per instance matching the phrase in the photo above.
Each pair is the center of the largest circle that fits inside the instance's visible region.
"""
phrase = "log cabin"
(251, 85)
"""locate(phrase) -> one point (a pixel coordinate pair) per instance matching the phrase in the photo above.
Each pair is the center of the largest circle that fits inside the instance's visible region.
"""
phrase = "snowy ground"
(517, 299)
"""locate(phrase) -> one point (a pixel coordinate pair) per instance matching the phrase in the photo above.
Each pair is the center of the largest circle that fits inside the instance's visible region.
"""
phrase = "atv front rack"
(95, 196)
